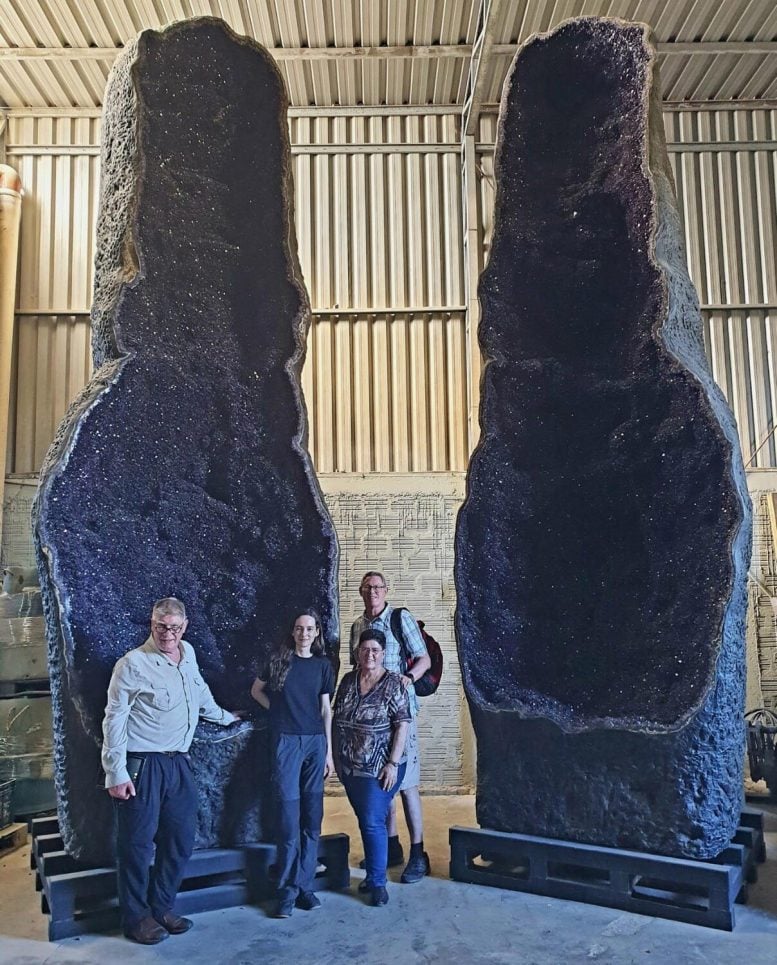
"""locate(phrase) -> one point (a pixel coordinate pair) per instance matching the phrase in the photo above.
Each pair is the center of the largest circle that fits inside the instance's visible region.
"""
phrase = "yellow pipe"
(10, 218)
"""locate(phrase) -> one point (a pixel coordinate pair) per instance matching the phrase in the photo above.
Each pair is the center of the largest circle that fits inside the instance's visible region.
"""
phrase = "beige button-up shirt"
(154, 705)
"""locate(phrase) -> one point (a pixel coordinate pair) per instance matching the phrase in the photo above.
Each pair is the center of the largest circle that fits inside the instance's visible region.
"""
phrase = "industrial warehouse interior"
(453, 403)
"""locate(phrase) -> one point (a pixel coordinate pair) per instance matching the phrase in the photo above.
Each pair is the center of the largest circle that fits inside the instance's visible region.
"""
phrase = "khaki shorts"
(413, 769)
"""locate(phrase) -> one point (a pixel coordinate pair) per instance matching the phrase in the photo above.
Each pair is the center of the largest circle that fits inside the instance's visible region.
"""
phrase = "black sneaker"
(307, 901)
(284, 908)
(396, 857)
(416, 868)
(365, 887)
(379, 896)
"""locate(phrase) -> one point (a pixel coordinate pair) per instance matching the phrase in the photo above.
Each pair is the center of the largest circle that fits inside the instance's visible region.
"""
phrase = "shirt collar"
(382, 617)
(150, 647)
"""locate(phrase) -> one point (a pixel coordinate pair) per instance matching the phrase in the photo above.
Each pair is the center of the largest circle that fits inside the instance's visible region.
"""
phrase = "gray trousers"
(298, 764)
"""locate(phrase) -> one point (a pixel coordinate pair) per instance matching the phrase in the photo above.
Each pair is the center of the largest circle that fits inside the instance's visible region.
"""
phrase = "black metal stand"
(699, 892)
(80, 899)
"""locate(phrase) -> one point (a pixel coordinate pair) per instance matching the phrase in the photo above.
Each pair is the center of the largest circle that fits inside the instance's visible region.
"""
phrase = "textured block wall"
(402, 524)
(17, 548)
(762, 616)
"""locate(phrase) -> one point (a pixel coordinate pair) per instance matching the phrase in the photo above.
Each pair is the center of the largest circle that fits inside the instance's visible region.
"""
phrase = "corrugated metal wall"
(57, 158)
(378, 215)
(725, 167)
(378, 219)
(58, 163)
(726, 193)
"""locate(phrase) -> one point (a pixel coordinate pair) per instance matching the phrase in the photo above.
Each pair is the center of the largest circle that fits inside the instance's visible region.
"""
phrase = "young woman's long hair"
(280, 661)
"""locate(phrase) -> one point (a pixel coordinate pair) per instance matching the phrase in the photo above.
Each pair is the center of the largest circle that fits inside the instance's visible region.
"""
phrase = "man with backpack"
(405, 654)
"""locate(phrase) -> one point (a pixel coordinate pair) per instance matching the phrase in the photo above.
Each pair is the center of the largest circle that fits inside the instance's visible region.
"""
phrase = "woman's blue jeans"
(371, 805)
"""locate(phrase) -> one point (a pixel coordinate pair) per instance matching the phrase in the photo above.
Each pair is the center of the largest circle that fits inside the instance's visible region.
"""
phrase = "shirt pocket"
(161, 698)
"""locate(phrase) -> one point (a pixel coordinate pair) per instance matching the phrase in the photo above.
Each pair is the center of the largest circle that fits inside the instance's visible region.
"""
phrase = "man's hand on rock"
(122, 792)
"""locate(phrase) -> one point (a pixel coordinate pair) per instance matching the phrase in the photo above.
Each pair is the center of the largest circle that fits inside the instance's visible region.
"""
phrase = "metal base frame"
(681, 889)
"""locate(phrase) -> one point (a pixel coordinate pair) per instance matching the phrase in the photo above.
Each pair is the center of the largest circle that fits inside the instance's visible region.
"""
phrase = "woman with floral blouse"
(371, 717)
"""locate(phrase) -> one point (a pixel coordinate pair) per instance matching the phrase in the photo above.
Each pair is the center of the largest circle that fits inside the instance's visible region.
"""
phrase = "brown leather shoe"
(174, 924)
(147, 932)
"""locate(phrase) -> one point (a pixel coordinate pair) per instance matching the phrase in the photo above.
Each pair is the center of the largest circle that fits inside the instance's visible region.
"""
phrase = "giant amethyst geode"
(602, 551)
(182, 469)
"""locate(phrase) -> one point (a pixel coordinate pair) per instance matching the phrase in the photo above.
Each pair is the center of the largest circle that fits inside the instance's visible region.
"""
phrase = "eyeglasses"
(372, 587)
(163, 628)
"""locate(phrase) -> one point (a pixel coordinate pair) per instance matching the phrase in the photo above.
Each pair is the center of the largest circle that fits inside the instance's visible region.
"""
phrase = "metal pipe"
(10, 219)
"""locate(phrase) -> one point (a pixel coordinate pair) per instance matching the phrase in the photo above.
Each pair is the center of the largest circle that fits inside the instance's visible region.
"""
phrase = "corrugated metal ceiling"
(57, 53)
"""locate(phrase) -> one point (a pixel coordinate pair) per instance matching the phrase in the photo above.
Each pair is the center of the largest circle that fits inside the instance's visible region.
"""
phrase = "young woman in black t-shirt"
(296, 688)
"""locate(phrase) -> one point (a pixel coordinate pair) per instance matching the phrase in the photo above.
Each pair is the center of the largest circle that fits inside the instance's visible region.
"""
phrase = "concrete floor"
(434, 921)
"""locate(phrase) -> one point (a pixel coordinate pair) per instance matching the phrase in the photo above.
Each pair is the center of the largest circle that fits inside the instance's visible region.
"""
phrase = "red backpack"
(426, 685)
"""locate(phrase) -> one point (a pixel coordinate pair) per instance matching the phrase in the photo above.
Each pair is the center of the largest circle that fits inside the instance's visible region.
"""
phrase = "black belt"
(146, 753)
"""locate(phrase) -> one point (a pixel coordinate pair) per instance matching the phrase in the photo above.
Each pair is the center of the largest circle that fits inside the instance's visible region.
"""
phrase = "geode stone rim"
(122, 267)
(127, 270)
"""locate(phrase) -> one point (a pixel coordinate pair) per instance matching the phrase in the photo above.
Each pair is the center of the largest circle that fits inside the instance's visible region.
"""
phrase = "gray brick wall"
(17, 549)
(762, 622)
(402, 525)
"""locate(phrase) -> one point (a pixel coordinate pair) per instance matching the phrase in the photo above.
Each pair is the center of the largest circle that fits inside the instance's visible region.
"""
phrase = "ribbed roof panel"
(61, 77)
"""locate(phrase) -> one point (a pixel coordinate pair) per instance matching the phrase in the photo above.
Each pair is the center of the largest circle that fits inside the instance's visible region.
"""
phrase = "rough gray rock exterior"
(602, 550)
(182, 468)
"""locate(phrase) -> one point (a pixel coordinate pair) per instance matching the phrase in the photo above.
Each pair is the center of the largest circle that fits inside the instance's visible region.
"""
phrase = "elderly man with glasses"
(155, 698)
(377, 616)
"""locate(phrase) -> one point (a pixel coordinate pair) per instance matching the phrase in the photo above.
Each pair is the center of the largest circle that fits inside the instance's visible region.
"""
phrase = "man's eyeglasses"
(168, 628)
(373, 588)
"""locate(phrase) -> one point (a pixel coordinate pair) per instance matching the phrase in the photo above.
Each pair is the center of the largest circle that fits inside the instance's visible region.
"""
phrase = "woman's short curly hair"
(369, 634)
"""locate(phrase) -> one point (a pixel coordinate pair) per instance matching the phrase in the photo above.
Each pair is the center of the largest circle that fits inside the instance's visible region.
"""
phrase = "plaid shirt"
(392, 659)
